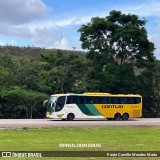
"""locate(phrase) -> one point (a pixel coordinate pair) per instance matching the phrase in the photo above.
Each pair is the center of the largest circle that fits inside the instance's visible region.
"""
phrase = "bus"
(88, 105)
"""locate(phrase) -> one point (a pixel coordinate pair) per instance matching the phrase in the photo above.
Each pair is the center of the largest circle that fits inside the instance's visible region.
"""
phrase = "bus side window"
(104, 100)
(81, 100)
(137, 100)
(97, 100)
(110, 100)
(115, 100)
(71, 99)
(61, 100)
(68, 100)
(90, 100)
(123, 100)
(131, 100)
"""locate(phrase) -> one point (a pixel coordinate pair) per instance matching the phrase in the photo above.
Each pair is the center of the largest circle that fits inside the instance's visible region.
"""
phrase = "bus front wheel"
(117, 116)
(70, 117)
(125, 116)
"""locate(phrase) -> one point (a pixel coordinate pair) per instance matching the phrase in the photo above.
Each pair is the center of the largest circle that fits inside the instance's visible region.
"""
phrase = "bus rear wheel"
(125, 116)
(70, 117)
(117, 116)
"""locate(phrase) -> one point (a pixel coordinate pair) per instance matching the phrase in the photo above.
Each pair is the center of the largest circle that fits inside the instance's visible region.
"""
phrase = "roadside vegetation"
(110, 138)
(119, 58)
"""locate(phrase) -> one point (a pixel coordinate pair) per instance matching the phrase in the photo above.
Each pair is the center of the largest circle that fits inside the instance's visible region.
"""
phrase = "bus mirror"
(45, 103)
(53, 104)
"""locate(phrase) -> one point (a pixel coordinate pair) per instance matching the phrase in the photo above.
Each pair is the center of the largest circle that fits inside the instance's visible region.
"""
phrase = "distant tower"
(61, 40)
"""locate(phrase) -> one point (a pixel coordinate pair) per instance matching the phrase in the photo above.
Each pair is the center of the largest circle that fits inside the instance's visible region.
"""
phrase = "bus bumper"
(55, 116)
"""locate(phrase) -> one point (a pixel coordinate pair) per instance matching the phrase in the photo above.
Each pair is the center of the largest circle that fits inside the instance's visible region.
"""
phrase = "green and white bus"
(94, 105)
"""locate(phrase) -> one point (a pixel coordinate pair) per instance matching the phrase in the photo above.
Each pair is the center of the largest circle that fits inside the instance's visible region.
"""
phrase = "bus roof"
(109, 94)
(66, 94)
(97, 94)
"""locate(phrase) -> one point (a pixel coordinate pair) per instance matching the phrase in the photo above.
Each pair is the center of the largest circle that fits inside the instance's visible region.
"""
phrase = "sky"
(54, 23)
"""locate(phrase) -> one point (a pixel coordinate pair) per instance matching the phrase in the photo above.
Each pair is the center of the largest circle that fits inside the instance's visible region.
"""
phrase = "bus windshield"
(52, 99)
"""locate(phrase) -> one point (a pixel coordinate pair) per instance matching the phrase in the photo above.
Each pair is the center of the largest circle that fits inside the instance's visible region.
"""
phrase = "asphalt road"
(20, 123)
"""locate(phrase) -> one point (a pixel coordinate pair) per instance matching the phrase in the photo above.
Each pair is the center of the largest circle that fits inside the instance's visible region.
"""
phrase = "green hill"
(33, 53)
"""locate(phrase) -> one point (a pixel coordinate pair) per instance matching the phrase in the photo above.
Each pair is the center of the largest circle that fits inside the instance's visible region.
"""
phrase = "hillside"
(33, 53)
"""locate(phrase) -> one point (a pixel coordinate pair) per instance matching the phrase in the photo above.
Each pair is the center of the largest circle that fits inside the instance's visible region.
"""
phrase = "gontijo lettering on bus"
(112, 106)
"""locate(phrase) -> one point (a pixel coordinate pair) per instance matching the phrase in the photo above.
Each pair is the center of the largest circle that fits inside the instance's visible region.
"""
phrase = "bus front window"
(60, 103)
(55, 104)
(52, 101)
(51, 104)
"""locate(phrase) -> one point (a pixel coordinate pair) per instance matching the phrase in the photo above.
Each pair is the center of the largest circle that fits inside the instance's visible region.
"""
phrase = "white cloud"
(50, 23)
(40, 37)
(21, 11)
(23, 20)
(155, 39)
(150, 8)
(15, 31)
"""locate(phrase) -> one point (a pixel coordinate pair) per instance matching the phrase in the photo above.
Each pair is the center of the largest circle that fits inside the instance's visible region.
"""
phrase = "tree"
(145, 87)
(7, 71)
(156, 88)
(27, 74)
(117, 47)
(17, 101)
(62, 73)
(117, 37)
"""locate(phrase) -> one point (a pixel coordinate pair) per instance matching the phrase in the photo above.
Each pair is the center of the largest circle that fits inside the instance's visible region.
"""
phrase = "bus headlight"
(60, 115)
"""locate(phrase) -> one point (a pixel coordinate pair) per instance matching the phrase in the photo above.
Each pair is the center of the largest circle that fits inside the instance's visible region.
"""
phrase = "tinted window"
(81, 100)
(90, 100)
(116, 100)
(71, 99)
(137, 100)
(123, 100)
(96, 100)
(130, 100)
(110, 100)
(102, 100)
(60, 103)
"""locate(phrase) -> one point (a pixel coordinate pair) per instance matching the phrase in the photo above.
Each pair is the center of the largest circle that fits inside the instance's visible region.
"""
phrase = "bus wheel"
(70, 117)
(117, 116)
(125, 116)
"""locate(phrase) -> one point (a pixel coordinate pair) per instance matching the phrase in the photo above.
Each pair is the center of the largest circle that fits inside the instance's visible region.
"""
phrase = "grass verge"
(110, 138)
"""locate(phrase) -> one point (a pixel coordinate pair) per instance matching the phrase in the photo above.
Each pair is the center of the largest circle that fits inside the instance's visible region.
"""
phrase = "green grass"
(111, 139)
